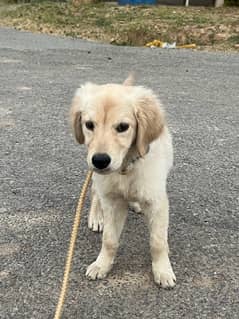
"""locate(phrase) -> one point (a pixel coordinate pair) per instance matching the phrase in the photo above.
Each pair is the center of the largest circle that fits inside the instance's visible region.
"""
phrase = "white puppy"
(130, 152)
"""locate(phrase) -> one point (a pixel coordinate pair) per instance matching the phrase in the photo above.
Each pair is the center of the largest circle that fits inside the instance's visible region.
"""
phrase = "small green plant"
(232, 3)
(234, 39)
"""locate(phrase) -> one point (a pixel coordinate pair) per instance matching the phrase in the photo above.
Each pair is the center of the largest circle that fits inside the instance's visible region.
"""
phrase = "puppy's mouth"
(105, 171)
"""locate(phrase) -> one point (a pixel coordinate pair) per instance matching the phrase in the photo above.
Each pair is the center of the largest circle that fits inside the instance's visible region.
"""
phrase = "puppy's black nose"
(101, 160)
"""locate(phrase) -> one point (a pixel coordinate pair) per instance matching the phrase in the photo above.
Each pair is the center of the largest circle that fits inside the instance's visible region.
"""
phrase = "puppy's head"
(111, 119)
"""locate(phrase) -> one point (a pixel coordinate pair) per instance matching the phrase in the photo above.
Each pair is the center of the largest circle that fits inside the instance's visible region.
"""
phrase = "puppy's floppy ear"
(75, 115)
(150, 122)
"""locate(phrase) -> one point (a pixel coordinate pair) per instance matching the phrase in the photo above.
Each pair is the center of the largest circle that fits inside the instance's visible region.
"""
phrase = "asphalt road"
(42, 170)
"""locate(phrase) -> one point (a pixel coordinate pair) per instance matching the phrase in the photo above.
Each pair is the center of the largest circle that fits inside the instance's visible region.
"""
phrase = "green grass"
(127, 25)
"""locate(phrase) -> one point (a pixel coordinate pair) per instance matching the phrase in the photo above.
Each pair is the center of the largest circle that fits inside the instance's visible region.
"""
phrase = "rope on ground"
(70, 254)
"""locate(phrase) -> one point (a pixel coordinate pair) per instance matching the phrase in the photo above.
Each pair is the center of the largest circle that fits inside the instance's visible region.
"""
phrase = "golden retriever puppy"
(130, 152)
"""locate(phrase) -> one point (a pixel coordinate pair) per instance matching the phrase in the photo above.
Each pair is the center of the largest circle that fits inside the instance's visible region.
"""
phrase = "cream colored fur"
(144, 184)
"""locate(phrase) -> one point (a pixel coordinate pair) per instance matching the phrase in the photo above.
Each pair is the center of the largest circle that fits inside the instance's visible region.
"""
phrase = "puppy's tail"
(130, 80)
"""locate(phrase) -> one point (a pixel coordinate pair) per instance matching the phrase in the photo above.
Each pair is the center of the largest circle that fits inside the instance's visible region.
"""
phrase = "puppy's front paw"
(164, 275)
(97, 270)
(135, 207)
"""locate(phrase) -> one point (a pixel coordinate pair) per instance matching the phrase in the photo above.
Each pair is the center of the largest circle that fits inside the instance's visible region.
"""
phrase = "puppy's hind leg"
(135, 207)
(95, 217)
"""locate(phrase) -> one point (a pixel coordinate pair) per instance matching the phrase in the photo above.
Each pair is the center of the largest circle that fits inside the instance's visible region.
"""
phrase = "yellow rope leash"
(74, 232)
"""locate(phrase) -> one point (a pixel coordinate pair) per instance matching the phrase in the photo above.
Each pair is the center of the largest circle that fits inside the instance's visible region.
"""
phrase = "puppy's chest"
(127, 189)
(121, 186)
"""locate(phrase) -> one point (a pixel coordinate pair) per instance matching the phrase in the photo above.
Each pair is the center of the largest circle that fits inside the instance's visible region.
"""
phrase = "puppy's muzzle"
(101, 160)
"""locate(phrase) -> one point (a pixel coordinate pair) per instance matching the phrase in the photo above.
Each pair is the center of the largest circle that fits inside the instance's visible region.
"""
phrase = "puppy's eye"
(90, 125)
(122, 127)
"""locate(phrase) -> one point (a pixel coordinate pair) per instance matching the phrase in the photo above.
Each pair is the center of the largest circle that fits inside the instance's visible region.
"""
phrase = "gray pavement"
(42, 170)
